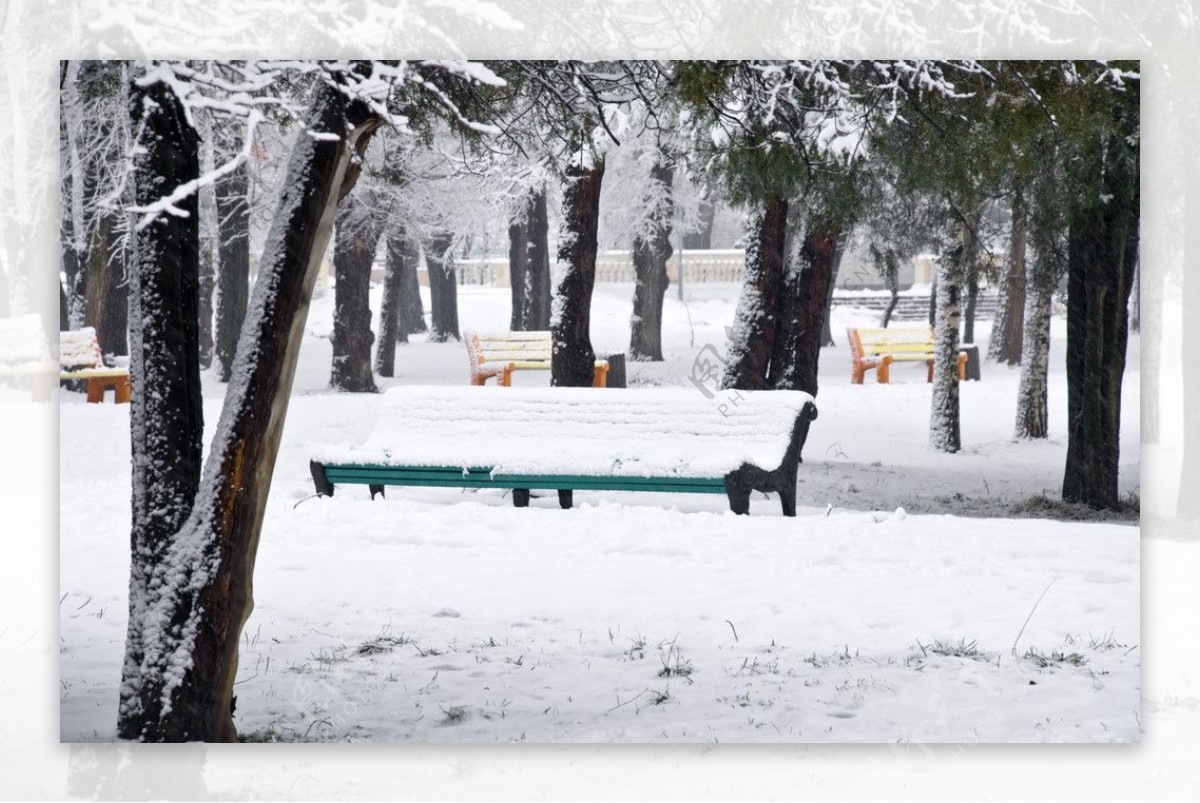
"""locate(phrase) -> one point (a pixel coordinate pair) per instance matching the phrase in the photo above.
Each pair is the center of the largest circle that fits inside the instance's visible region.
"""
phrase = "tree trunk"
(208, 258)
(1006, 343)
(839, 250)
(518, 248)
(650, 255)
(166, 411)
(806, 283)
(233, 278)
(1101, 254)
(412, 311)
(891, 276)
(356, 240)
(968, 335)
(701, 239)
(106, 307)
(753, 337)
(443, 289)
(944, 430)
(572, 362)
(537, 265)
(390, 329)
(1032, 393)
(206, 578)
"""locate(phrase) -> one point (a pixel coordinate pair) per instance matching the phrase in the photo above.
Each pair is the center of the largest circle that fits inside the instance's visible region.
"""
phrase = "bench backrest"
(905, 340)
(510, 346)
(23, 342)
(79, 349)
(650, 432)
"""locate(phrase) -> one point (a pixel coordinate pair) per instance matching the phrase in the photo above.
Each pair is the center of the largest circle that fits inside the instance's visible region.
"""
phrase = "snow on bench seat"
(574, 437)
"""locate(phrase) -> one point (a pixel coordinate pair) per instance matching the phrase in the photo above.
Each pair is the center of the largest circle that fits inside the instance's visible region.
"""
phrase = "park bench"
(568, 439)
(498, 355)
(79, 358)
(25, 354)
(879, 348)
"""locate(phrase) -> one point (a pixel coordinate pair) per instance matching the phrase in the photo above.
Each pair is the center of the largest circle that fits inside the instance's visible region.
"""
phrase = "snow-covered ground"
(893, 607)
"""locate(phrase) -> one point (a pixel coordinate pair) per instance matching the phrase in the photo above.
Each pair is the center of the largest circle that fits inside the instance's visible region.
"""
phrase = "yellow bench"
(879, 348)
(499, 355)
(79, 358)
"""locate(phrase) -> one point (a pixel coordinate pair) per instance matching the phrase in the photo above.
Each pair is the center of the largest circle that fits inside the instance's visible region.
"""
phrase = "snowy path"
(437, 615)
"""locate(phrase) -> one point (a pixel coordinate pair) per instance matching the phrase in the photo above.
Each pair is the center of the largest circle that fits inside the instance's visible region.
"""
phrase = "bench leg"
(600, 376)
(787, 499)
(320, 479)
(520, 497)
(123, 390)
(565, 498)
(929, 371)
(375, 489)
(883, 374)
(95, 391)
(738, 493)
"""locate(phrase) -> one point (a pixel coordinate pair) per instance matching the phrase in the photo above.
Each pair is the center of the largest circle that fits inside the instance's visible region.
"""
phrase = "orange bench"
(499, 355)
(879, 348)
(79, 358)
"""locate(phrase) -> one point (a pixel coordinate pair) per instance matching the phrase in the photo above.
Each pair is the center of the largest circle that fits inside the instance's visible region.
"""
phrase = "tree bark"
(650, 255)
(1102, 251)
(233, 278)
(356, 240)
(806, 283)
(1033, 390)
(206, 579)
(412, 311)
(518, 247)
(753, 337)
(572, 362)
(443, 289)
(944, 428)
(166, 412)
(390, 329)
(1007, 343)
(537, 265)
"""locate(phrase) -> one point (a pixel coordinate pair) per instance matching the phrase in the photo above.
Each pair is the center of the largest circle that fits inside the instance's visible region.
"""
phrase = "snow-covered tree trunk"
(201, 589)
(233, 276)
(443, 288)
(650, 254)
(891, 277)
(807, 278)
(166, 414)
(537, 265)
(1032, 392)
(572, 363)
(1006, 342)
(754, 323)
(944, 430)
(518, 248)
(357, 233)
(1101, 255)
(412, 311)
(67, 161)
(390, 329)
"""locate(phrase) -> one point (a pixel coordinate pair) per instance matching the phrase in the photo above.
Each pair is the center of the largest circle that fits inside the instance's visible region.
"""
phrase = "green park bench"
(579, 439)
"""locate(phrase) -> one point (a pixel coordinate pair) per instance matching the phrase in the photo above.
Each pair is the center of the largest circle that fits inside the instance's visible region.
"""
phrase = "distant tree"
(357, 234)
(1007, 329)
(443, 288)
(233, 269)
(391, 328)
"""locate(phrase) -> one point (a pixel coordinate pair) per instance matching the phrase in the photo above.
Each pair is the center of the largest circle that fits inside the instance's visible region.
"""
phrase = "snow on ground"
(440, 615)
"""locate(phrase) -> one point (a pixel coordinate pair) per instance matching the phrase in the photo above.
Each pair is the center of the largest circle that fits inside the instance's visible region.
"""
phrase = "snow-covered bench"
(879, 348)
(498, 355)
(25, 353)
(568, 439)
(79, 358)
